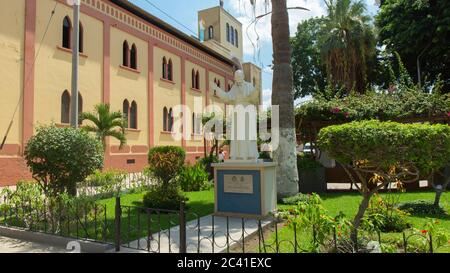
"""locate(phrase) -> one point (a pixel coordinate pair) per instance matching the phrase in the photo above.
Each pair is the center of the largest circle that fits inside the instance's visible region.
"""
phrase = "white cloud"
(257, 34)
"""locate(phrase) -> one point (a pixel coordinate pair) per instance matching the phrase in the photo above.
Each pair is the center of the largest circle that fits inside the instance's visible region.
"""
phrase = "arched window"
(170, 120)
(193, 79)
(254, 82)
(229, 87)
(65, 107)
(81, 37)
(236, 38)
(126, 54)
(67, 33)
(228, 32)
(232, 35)
(193, 123)
(164, 68)
(197, 80)
(170, 70)
(133, 116)
(126, 111)
(165, 120)
(211, 32)
(133, 57)
(80, 108)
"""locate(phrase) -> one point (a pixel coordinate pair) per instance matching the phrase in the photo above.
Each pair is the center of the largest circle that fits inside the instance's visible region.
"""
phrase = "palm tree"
(347, 44)
(283, 96)
(106, 124)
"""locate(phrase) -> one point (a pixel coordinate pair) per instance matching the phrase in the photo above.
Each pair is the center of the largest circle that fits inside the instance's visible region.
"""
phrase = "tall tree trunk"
(283, 96)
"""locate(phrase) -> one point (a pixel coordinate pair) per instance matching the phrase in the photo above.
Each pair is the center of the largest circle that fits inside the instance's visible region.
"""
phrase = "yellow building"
(129, 59)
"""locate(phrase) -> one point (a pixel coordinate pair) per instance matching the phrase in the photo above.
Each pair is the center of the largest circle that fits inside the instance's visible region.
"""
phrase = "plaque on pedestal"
(245, 189)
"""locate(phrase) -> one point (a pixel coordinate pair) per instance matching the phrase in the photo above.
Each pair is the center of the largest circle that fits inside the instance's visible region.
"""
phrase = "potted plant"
(311, 174)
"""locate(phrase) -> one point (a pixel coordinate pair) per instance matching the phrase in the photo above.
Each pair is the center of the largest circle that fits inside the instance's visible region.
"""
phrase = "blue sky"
(257, 39)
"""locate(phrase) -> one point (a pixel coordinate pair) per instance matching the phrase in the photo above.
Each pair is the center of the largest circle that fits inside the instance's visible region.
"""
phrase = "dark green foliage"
(194, 178)
(307, 162)
(309, 71)
(294, 200)
(207, 161)
(385, 144)
(166, 162)
(59, 158)
(160, 197)
(415, 27)
(422, 207)
(387, 105)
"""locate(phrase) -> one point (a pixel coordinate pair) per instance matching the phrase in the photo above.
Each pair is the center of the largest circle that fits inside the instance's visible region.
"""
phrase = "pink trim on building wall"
(150, 87)
(183, 99)
(28, 71)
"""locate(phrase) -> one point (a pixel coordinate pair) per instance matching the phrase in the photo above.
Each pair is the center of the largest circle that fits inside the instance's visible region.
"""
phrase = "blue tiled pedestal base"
(245, 189)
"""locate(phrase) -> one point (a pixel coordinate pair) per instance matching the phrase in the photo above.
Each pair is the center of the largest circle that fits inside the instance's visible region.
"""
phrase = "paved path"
(207, 245)
(9, 245)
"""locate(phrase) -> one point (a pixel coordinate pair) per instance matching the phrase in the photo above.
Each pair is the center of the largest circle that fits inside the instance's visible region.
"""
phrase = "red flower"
(336, 110)
(347, 114)
(424, 231)
(448, 114)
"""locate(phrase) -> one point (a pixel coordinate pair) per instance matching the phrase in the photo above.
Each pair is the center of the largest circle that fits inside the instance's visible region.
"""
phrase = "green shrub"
(421, 207)
(294, 200)
(194, 178)
(382, 216)
(207, 161)
(385, 144)
(306, 162)
(166, 162)
(59, 158)
(159, 197)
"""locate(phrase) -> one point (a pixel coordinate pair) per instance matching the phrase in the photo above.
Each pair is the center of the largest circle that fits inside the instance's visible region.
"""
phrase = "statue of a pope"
(243, 97)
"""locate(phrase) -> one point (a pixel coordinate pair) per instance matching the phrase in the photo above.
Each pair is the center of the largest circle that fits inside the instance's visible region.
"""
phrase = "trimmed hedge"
(385, 144)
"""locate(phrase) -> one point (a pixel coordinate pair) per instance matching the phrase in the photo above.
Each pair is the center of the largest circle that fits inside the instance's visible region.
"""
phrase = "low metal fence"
(181, 231)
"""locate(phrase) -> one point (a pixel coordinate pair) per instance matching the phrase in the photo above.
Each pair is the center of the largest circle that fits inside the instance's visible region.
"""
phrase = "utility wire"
(171, 17)
(28, 74)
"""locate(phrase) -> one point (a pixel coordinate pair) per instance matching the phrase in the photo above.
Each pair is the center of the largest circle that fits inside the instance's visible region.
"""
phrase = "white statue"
(241, 95)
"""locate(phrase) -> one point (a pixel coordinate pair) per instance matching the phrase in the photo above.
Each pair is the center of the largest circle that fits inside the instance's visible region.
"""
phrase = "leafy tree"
(308, 68)
(348, 44)
(59, 158)
(106, 124)
(375, 153)
(419, 30)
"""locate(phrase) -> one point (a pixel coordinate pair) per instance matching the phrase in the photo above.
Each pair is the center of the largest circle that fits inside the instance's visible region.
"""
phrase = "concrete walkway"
(9, 245)
(204, 238)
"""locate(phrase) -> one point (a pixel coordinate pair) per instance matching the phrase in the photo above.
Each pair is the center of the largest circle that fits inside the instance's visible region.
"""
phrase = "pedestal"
(245, 189)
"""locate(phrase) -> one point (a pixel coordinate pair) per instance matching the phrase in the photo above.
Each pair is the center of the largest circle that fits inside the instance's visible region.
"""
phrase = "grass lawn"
(348, 203)
(137, 223)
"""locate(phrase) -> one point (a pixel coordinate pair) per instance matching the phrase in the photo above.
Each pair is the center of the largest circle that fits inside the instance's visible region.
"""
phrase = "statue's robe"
(244, 147)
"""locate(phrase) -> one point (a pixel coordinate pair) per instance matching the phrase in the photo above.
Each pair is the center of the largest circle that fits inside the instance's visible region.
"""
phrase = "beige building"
(130, 59)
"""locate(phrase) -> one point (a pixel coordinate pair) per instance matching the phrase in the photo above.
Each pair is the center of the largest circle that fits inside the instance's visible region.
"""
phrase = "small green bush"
(294, 200)
(421, 207)
(194, 178)
(59, 158)
(159, 197)
(166, 162)
(382, 216)
(306, 162)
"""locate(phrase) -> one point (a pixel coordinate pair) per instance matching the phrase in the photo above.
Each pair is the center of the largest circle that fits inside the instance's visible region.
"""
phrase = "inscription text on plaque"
(238, 184)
